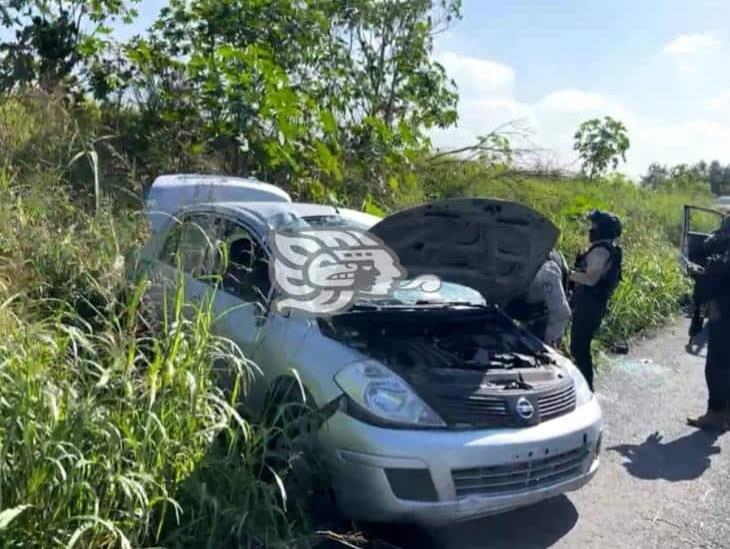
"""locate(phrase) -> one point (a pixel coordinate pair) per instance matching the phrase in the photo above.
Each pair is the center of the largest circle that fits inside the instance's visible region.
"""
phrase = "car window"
(703, 221)
(245, 267)
(192, 242)
(169, 249)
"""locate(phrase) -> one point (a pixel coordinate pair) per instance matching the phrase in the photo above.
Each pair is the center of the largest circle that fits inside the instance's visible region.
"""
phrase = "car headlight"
(583, 393)
(379, 393)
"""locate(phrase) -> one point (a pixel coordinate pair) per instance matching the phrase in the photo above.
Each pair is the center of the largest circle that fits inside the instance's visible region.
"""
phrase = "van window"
(246, 271)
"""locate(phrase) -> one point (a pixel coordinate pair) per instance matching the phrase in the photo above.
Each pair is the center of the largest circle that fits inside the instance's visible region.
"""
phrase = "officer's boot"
(711, 421)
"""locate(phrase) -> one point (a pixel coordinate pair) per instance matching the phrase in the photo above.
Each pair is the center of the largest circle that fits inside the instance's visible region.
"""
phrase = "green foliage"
(700, 177)
(601, 143)
(54, 42)
(42, 138)
(112, 436)
(294, 91)
(326, 99)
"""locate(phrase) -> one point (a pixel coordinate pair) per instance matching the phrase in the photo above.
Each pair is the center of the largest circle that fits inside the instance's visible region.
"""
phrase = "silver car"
(440, 407)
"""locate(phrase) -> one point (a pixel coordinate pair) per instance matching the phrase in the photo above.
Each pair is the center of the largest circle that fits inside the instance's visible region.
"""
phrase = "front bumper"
(361, 457)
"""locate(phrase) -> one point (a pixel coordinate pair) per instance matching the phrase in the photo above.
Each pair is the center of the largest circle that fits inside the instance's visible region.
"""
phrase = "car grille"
(479, 408)
(494, 410)
(521, 476)
(557, 403)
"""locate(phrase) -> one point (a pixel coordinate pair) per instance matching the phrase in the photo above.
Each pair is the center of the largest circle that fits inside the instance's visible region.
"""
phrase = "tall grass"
(112, 435)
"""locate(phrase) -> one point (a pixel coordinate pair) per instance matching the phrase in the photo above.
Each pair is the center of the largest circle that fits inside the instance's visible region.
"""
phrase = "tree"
(54, 40)
(717, 178)
(656, 176)
(682, 177)
(601, 143)
(296, 90)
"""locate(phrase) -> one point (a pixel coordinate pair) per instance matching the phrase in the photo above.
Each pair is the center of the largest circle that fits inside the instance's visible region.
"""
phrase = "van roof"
(172, 193)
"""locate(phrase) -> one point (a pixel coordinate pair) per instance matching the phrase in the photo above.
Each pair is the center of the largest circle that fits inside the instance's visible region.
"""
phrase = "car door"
(187, 257)
(241, 304)
(697, 224)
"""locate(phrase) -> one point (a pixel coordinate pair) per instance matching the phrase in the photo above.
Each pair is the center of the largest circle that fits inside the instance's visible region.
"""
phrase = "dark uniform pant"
(717, 366)
(588, 313)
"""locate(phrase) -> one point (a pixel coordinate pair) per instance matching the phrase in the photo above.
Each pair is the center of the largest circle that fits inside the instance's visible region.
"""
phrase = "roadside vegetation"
(114, 435)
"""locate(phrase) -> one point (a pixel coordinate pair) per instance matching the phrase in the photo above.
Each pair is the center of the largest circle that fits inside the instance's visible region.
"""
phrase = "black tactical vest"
(608, 283)
(714, 283)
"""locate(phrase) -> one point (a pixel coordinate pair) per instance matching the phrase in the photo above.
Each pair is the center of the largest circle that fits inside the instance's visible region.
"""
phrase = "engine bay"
(460, 338)
(470, 364)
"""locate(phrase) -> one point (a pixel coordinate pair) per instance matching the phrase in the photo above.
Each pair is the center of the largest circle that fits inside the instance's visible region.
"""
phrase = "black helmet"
(608, 225)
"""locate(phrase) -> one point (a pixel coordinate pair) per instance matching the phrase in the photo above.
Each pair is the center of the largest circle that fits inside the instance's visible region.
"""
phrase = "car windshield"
(334, 221)
(448, 293)
(294, 223)
(404, 294)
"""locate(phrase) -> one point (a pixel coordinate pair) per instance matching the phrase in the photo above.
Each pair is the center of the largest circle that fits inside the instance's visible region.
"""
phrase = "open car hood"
(493, 246)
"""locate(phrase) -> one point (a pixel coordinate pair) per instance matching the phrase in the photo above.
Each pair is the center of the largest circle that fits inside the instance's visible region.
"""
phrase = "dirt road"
(661, 483)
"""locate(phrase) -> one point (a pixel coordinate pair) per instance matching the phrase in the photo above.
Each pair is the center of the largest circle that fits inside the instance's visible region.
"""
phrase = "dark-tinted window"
(245, 267)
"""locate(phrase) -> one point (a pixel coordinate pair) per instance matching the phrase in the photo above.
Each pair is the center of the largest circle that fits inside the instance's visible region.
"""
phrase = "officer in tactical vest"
(544, 309)
(712, 288)
(595, 277)
(717, 243)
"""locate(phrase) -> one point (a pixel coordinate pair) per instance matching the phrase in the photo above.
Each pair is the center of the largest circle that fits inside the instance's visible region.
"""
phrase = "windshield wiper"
(421, 304)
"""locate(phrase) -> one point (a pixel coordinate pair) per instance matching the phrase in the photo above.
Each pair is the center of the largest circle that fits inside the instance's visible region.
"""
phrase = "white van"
(172, 193)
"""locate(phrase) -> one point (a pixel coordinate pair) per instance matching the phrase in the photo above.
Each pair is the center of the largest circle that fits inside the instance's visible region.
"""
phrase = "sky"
(660, 66)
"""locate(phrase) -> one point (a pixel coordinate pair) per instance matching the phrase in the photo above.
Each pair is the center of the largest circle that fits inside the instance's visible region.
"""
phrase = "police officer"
(716, 243)
(596, 276)
(713, 288)
(544, 309)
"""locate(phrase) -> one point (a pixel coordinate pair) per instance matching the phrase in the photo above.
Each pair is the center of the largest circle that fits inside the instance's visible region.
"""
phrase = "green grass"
(112, 435)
